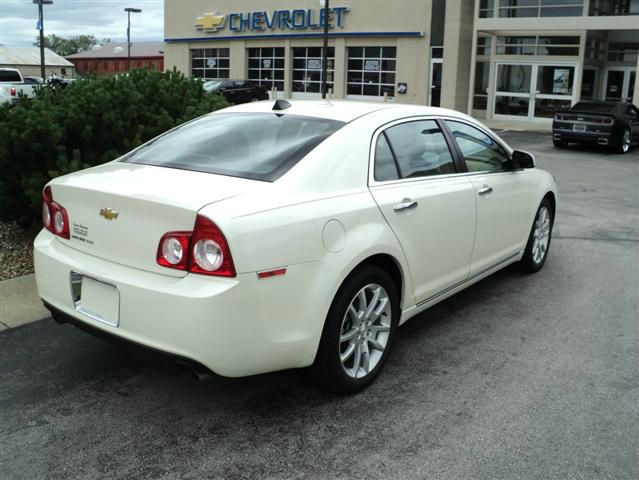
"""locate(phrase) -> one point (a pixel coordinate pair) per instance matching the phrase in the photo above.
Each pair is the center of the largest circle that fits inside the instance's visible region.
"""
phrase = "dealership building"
(501, 59)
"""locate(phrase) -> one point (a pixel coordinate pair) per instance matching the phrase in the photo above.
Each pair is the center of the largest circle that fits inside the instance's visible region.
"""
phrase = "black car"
(613, 124)
(237, 91)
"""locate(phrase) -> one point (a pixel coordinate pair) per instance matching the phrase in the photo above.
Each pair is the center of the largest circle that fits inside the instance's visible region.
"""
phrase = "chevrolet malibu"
(297, 234)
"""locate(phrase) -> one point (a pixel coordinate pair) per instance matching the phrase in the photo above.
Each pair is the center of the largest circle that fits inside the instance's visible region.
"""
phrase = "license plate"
(579, 128)
(95, 299)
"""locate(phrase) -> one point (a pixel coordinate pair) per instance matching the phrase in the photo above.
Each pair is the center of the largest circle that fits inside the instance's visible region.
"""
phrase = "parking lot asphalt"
(518, 377)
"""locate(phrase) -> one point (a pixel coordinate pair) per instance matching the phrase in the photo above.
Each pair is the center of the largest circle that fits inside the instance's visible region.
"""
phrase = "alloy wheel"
(626, 141)
(541, 235)
(365, 331)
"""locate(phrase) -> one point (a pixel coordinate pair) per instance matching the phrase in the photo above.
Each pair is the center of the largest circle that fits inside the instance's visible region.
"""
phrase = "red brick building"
(111, 59)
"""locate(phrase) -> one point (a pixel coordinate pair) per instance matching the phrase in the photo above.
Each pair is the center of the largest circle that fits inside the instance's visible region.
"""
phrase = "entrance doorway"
(619, 83)
(533, 90)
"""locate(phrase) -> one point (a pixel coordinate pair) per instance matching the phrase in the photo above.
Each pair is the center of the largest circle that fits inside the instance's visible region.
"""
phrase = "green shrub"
(92, 121)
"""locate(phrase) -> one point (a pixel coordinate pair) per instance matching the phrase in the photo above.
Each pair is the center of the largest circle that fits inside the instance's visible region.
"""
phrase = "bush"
(92, 121)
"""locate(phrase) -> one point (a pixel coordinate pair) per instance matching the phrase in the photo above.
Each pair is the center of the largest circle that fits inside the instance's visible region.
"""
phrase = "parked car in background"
(237, 91)
(612, 124)
(264, 237)
(12, 84)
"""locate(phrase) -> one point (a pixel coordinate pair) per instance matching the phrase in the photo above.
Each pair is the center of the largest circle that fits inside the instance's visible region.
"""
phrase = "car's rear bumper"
(233, 326)
(600, 138)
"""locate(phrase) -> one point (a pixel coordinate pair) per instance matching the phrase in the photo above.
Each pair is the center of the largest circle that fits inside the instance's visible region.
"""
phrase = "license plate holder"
(96, 299)
(579, 128)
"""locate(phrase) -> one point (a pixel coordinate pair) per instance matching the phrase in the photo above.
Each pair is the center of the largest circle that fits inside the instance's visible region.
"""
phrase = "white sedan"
(264, 237)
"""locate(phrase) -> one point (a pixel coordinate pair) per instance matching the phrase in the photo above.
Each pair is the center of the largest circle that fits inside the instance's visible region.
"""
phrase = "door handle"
(406, 204)
(485, 190)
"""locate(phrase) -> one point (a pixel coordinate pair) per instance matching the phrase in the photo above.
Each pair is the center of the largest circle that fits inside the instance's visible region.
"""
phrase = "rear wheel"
(539, 239)
(624, 143)
(358, 332)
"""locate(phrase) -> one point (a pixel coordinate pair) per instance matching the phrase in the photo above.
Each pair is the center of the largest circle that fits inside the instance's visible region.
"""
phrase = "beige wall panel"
(457, 54)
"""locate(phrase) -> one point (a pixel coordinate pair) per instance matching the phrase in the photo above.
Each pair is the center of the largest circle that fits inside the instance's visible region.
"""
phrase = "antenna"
(281, 105)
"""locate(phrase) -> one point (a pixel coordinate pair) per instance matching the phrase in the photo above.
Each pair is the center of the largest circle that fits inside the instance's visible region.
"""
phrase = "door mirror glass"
(521, 159)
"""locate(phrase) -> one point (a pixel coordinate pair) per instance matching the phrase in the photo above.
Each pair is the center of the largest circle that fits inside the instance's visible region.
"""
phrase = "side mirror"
(521, 159)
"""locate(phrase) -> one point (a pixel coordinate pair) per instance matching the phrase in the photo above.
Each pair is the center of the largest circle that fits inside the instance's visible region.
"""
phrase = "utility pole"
(128, 34)
(325, 49)
(41, 28)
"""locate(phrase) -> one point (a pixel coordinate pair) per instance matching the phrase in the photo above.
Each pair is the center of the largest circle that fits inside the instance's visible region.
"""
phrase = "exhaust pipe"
(602, 141)
(199, 373)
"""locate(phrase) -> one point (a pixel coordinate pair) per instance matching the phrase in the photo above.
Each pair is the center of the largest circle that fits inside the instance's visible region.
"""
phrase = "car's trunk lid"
(119, 211)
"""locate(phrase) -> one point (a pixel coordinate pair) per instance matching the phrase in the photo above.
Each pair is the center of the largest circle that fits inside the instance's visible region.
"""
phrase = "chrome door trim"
(459, 284)
(371, 156)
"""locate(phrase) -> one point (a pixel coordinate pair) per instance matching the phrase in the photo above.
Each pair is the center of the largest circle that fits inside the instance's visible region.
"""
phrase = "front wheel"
(624, 144)
(560, 143)
(358, 332)
(539, 239)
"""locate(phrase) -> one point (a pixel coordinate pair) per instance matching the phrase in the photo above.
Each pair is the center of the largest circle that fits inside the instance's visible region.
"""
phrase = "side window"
(385, 168)
(481, 152)
(240, 84)
(420, 149)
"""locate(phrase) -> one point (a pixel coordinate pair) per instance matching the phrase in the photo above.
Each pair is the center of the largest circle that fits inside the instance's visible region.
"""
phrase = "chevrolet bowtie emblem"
(210, 22)
(109, 213)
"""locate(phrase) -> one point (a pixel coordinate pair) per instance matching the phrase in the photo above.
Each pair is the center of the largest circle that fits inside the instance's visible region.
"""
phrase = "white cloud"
(102, 18)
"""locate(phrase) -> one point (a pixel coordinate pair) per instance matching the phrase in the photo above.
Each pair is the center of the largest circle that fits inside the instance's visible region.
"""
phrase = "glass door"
(533, 91)
(620, 84)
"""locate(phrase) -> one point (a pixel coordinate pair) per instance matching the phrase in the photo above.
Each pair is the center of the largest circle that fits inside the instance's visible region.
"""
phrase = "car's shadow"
(71, 359)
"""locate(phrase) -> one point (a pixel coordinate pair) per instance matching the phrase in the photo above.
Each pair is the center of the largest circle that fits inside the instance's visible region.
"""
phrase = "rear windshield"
(259, 146)
(10, 76)
(594, 107)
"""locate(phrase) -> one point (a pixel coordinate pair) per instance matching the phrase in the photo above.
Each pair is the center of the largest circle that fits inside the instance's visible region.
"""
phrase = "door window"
(419, 149)
(481, 152)
(385, 166)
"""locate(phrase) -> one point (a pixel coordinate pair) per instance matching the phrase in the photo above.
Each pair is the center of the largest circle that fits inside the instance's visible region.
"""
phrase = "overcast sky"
(102, 18)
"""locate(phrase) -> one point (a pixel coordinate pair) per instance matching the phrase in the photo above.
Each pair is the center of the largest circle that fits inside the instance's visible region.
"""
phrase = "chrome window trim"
(371, 160)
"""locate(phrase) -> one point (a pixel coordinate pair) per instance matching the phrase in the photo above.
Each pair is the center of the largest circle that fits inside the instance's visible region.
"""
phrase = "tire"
(560, 143)
(625, 142)
(537, 249)
(369, 344)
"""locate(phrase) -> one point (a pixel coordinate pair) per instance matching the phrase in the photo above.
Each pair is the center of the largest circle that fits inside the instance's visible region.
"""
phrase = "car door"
(241, 91)
(505, 197)
(633, 120)
(229, 91)
(428, 205)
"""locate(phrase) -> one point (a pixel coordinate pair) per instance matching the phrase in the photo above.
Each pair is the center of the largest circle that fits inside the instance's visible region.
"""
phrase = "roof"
(341, 110)
(119, 50)
(31, 56)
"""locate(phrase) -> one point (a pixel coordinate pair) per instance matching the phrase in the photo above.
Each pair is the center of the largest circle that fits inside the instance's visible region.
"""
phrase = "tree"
(68, 46)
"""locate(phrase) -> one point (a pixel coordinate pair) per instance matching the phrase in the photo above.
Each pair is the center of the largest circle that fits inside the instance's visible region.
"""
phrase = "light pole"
(41, 28)
(324, 5)
(129, 11)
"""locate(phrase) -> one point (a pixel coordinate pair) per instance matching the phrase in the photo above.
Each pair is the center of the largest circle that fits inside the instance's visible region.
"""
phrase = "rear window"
(259, 146)
(9, 76)
(594, 107)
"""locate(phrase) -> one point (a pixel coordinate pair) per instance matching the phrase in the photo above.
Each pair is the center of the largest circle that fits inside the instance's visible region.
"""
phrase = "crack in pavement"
(602, 239)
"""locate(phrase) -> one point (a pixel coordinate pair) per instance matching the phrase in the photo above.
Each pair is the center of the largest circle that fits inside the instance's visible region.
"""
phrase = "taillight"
(173, 250)
(54, 216)
(14, 91)
(204, 251)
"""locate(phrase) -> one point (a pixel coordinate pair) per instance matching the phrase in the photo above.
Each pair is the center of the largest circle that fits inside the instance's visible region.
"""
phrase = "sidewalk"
(517, 126)
(20, 303)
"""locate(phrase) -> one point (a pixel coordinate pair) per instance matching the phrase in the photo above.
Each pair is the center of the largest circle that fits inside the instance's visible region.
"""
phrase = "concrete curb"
(20, 303)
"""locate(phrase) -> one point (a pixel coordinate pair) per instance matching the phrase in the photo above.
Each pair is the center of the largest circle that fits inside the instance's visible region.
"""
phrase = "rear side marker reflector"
(271, 273)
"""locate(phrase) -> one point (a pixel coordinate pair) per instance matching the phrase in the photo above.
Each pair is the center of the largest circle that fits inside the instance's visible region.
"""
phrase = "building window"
(266, 67)
(105, 66)
(613, 7)
(486, 8)
(116, 66)
(540, 45)
(480, 97)
(483, 46)
(623, 52)
(307, 69)
(540, 8)
(371, 71)
(210, 63)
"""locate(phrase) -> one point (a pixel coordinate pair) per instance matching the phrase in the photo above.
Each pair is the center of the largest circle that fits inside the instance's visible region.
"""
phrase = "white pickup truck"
(11, 84)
